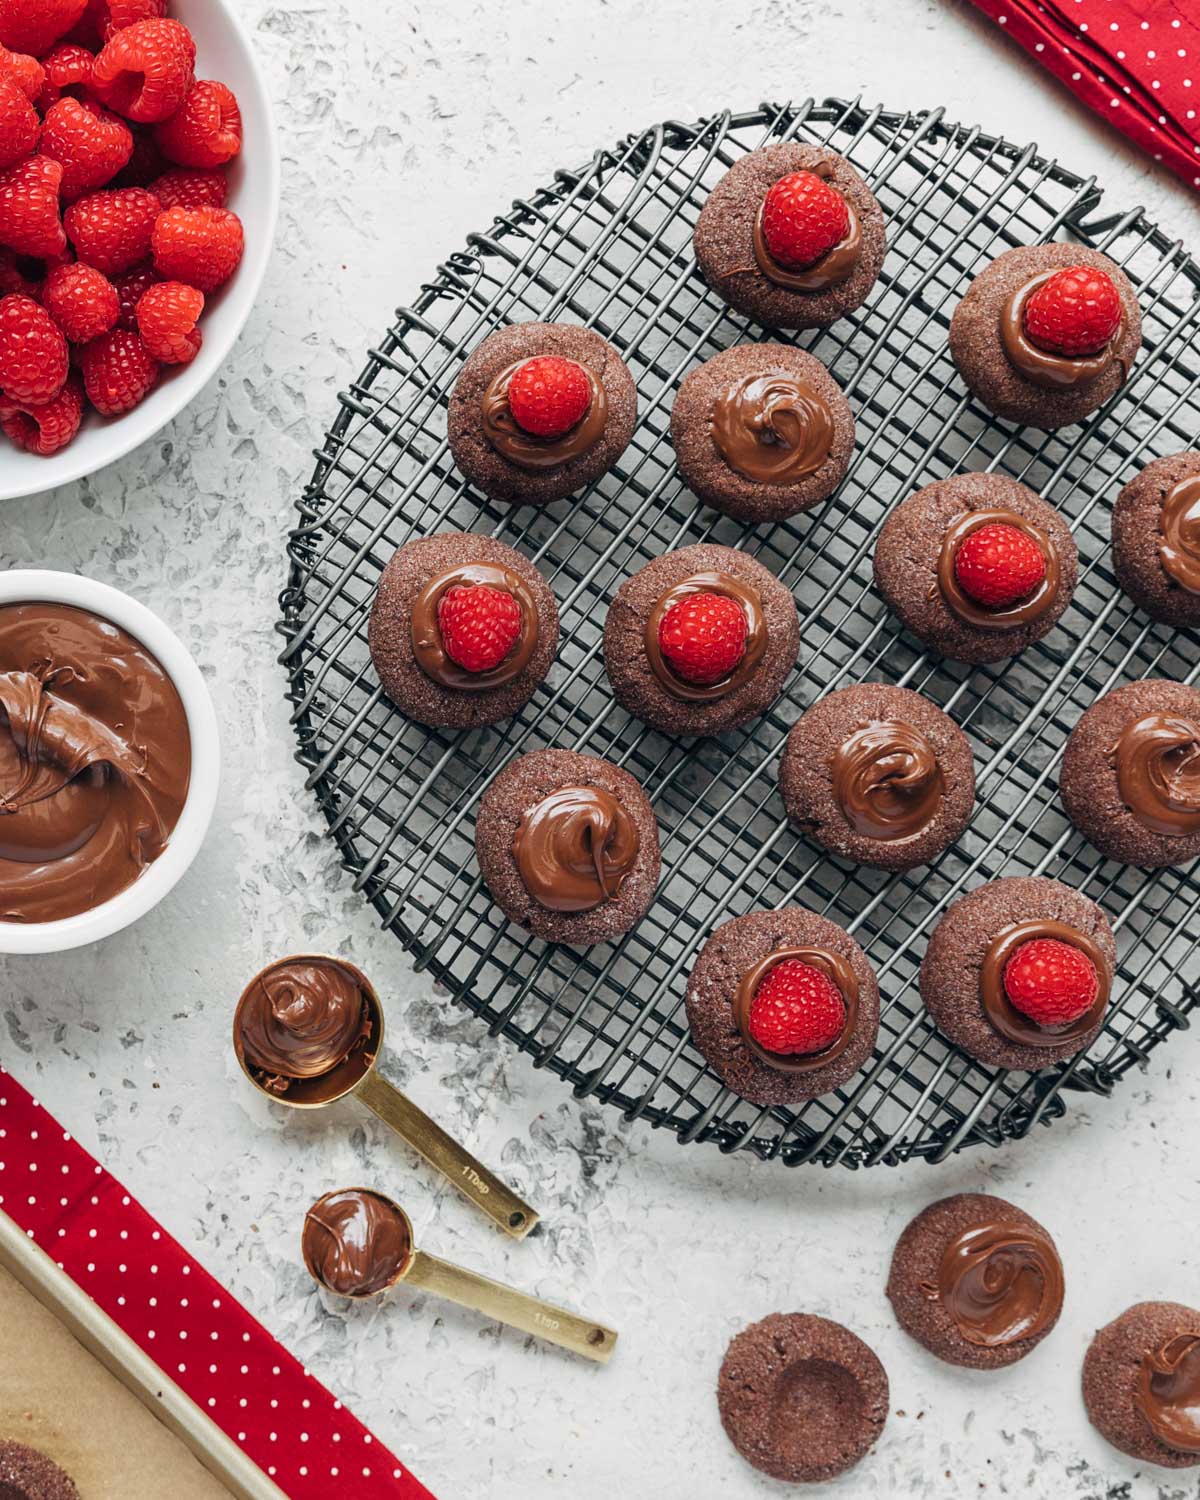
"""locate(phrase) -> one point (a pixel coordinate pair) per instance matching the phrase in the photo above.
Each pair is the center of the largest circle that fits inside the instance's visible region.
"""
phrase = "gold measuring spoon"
(358, 1242)
(308, 1031)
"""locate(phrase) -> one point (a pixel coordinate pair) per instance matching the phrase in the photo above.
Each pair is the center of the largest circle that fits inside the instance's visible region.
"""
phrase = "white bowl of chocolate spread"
(109, 760)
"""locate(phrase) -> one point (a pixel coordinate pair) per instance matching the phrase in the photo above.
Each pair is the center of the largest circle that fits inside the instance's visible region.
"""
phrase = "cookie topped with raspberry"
(792, 236)
(540, 410)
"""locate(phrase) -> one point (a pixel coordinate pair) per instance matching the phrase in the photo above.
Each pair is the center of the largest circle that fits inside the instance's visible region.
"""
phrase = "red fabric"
(1135, 62)
(228, 1363)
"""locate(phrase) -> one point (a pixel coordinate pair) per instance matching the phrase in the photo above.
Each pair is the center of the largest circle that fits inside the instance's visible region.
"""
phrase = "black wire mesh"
(610, 246)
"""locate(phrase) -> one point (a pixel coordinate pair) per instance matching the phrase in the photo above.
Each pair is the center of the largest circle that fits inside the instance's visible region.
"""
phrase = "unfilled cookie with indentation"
(916, 567)
(568, 846)
(801, 1397)
(720, 993)
(1141, 1383)
(27, 1474)
(509, 464)
(1130, 779)
(1156, 539)
(978, 344)
(643, 681)
(963, 971)
(878, 774)
(762, 432)
(725, 238)
(405, 634)
(976, 1280)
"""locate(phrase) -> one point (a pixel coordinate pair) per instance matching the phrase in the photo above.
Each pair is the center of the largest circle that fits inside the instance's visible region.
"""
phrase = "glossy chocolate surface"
(836, 968)
(887, 781)
(772, 429)
(1158, 772)
(756, 636)
(576, 848)
(1003, 1014)
(1168, 1392)
(356, 1242)
(1000, 1283)
(981, 616)
(301, 1018)
(1179, 550)
(427, 643)
(526, 449)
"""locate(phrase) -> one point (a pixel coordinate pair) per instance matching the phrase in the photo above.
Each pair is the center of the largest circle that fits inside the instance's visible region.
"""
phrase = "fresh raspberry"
(122, 13)
(131, 287)
(796, 1009)
(92, 144)
(33, 353)
(206, 130)
(25, 71)
(112, 230)
(146, 163)
(47, 428)
(548, 395)
(34, 26)
(999, 564)
(29, 212)
(118, 371)
(803, 218)
(19, 125)
(1075, 312)
(703, 637)
(479, 626)
(68, 71)
(146, 70)
(167, 316)
(1051, 982)
(191, 187)
(201, 247)
(82, 301)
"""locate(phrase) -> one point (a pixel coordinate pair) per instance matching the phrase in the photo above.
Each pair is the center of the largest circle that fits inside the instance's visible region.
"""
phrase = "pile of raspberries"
(113, 225)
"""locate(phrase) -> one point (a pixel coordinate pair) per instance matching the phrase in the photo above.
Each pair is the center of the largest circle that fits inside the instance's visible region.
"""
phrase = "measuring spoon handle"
(530, 1314)
(455, 1162)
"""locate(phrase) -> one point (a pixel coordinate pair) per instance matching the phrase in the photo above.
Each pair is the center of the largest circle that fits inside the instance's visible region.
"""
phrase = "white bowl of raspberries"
(139, 185)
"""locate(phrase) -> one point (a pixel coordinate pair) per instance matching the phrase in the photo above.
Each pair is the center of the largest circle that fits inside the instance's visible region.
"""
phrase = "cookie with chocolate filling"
(1130, 779)
(801, 1398)
(568, 846)
(993, 339)
(880, 775)
(792, 236)
(543, 459)
(1141, 1383)
(700, 640)
(1156, 539)
(784, 1005)
(977, 566)
(27, 1474)
(762, 432)
(462, 630)
(1018, 972)
(976, 1281)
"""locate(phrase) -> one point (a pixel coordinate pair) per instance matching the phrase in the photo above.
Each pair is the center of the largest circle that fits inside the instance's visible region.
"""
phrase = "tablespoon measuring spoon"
(307, 1032)
(358, 1242)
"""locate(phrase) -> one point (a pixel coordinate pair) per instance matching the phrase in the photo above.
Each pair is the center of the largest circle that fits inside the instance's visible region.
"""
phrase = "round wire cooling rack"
(609, 245)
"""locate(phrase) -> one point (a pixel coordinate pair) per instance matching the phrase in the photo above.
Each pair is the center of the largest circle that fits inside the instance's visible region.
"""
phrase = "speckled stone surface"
(403, 128)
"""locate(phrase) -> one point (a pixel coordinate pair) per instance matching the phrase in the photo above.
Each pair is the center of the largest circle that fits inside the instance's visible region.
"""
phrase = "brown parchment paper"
(56, 1396)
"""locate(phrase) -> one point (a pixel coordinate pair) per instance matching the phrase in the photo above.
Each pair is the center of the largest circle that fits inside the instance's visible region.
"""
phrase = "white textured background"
(403, 127)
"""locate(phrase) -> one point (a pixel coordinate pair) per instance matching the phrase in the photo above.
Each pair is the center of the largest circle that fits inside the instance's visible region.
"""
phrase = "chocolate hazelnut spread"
(427, 645)
(772, 429)
(1054, 372)
(835, 967)
(834, 266)
(1158, 773)
(1010, 617)
(756, 636)
(356, 1242)
(1179, 550)
(301, 1018)
(999, 1282)
(95, 761)
(1168, 1392)
(1003, 1014)
(887, 781)
(526, 449)
(576, 848)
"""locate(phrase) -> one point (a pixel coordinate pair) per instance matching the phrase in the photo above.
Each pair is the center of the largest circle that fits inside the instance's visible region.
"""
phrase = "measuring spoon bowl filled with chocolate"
(109, 760)
(308, 1031)
(357, 1243)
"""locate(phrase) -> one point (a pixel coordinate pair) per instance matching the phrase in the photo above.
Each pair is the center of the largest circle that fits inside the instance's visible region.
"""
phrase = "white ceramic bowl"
(222, 51)
(134, 901)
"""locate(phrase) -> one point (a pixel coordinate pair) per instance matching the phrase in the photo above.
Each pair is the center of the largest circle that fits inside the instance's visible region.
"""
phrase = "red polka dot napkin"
(196, 1333)
(1135, 62)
